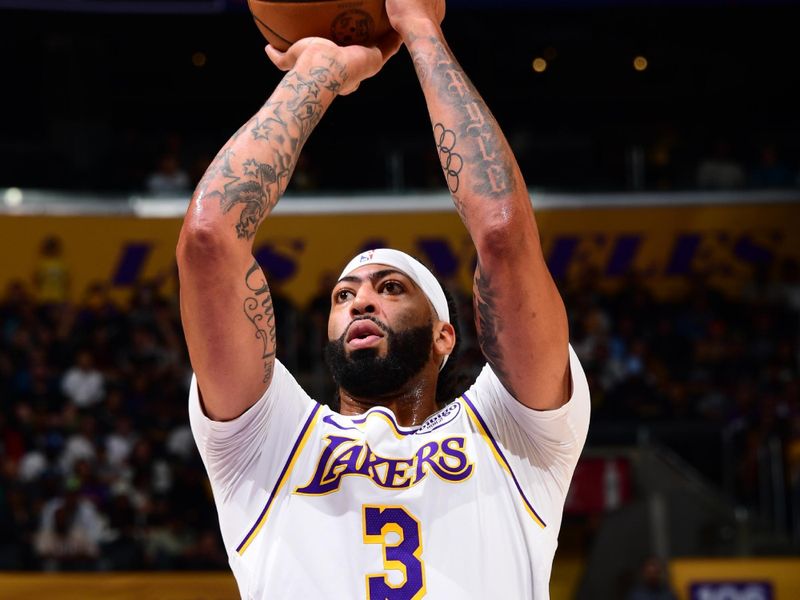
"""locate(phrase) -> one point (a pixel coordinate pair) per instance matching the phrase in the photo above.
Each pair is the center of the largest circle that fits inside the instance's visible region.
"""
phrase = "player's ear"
(444, 338)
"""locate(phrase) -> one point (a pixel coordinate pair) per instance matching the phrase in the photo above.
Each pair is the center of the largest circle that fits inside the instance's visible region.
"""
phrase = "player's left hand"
(360, 62)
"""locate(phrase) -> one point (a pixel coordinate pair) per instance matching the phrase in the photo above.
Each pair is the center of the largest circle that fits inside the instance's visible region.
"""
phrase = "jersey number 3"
(399, 534)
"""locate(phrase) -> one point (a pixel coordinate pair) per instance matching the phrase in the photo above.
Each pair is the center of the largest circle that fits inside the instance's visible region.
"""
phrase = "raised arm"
(519, 314)
(226, 306)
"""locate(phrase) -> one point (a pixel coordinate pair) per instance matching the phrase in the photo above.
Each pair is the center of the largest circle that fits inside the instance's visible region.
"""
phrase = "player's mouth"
(363, 334)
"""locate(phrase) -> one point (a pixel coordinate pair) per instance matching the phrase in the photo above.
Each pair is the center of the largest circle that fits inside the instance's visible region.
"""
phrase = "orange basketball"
(345, 22)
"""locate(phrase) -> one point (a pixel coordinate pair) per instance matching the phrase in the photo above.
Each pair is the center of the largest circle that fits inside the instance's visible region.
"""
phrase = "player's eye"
(392, 287)
(342, 295)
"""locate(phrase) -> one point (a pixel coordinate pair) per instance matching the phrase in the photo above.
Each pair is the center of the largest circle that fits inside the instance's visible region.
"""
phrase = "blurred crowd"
(668, 161)
(99, 471)
(726, 367)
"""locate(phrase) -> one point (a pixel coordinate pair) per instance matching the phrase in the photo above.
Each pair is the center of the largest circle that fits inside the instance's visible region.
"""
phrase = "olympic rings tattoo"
(451, 162)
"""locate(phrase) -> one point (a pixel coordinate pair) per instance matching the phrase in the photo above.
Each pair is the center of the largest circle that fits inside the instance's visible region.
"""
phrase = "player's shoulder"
(487, 383)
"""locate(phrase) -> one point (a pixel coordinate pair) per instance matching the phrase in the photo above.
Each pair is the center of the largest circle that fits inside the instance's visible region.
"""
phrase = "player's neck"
(411, 405)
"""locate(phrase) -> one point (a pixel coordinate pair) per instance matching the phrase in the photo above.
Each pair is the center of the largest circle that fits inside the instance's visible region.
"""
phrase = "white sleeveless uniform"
(315, 505)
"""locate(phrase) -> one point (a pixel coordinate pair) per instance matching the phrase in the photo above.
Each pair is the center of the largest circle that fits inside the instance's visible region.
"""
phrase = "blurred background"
(661, 145)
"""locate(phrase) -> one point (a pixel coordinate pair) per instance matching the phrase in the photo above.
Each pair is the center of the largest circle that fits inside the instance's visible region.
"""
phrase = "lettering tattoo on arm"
(488, 325)
(421, 67)
(259, 311)
(253, 184)
(489, 166)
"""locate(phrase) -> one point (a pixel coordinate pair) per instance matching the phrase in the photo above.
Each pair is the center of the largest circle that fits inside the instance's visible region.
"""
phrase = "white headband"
(410, 266)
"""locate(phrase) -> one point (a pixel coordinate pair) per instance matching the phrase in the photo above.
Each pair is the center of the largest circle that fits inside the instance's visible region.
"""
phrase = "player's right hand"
(406, 15)
(359, 62)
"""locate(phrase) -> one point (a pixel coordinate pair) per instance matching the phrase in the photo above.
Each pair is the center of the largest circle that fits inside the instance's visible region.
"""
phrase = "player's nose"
(365, 301)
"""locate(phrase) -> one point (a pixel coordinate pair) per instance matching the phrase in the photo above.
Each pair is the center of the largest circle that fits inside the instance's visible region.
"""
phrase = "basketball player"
(391, 497)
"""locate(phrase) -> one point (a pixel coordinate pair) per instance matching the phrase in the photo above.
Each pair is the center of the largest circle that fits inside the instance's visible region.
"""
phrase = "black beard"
(366, 375)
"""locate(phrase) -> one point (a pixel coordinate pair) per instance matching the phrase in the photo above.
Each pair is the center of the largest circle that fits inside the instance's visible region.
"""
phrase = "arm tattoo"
(253, 189)
(452, 163)
(253, 184)
(485, 152)
(258, 310)
(421, 67)
(488, 325)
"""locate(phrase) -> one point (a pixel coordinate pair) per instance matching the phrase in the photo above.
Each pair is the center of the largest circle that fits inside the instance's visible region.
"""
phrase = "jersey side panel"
(541, 448)
(246, 456)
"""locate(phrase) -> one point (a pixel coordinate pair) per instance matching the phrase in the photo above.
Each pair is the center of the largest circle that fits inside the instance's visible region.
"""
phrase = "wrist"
(324, 62)
(414, 28)
(318, 53)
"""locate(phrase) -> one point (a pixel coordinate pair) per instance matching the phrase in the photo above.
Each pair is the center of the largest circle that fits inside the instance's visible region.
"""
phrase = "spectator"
(305, 178)
(168, 179)
(122, 548)
(652, 584)
(180, 442)
(51, 277)
(16, 522)
(83, 384)
(166, 538)
(770, 172)
(120, 442)
(787, 289)
(69, 535)
(720, 171)
(80, 445)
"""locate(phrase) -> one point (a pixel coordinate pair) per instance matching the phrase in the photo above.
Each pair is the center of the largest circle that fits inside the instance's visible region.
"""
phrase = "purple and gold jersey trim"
(432, 423)
(498, 454)
(297, 449)
(359, 424)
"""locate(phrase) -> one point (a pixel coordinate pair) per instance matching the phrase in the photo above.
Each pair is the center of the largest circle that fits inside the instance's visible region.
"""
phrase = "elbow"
(202, 244)
(495, 240)
(506, 234)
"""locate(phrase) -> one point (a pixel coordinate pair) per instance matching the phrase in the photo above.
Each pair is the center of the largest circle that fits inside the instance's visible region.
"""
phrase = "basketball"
(346, 23)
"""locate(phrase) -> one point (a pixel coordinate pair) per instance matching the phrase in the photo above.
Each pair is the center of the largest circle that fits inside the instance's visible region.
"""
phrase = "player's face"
(380, 331)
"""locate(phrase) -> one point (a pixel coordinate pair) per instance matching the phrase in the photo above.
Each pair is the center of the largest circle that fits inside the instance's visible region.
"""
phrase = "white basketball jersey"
(313, 504)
